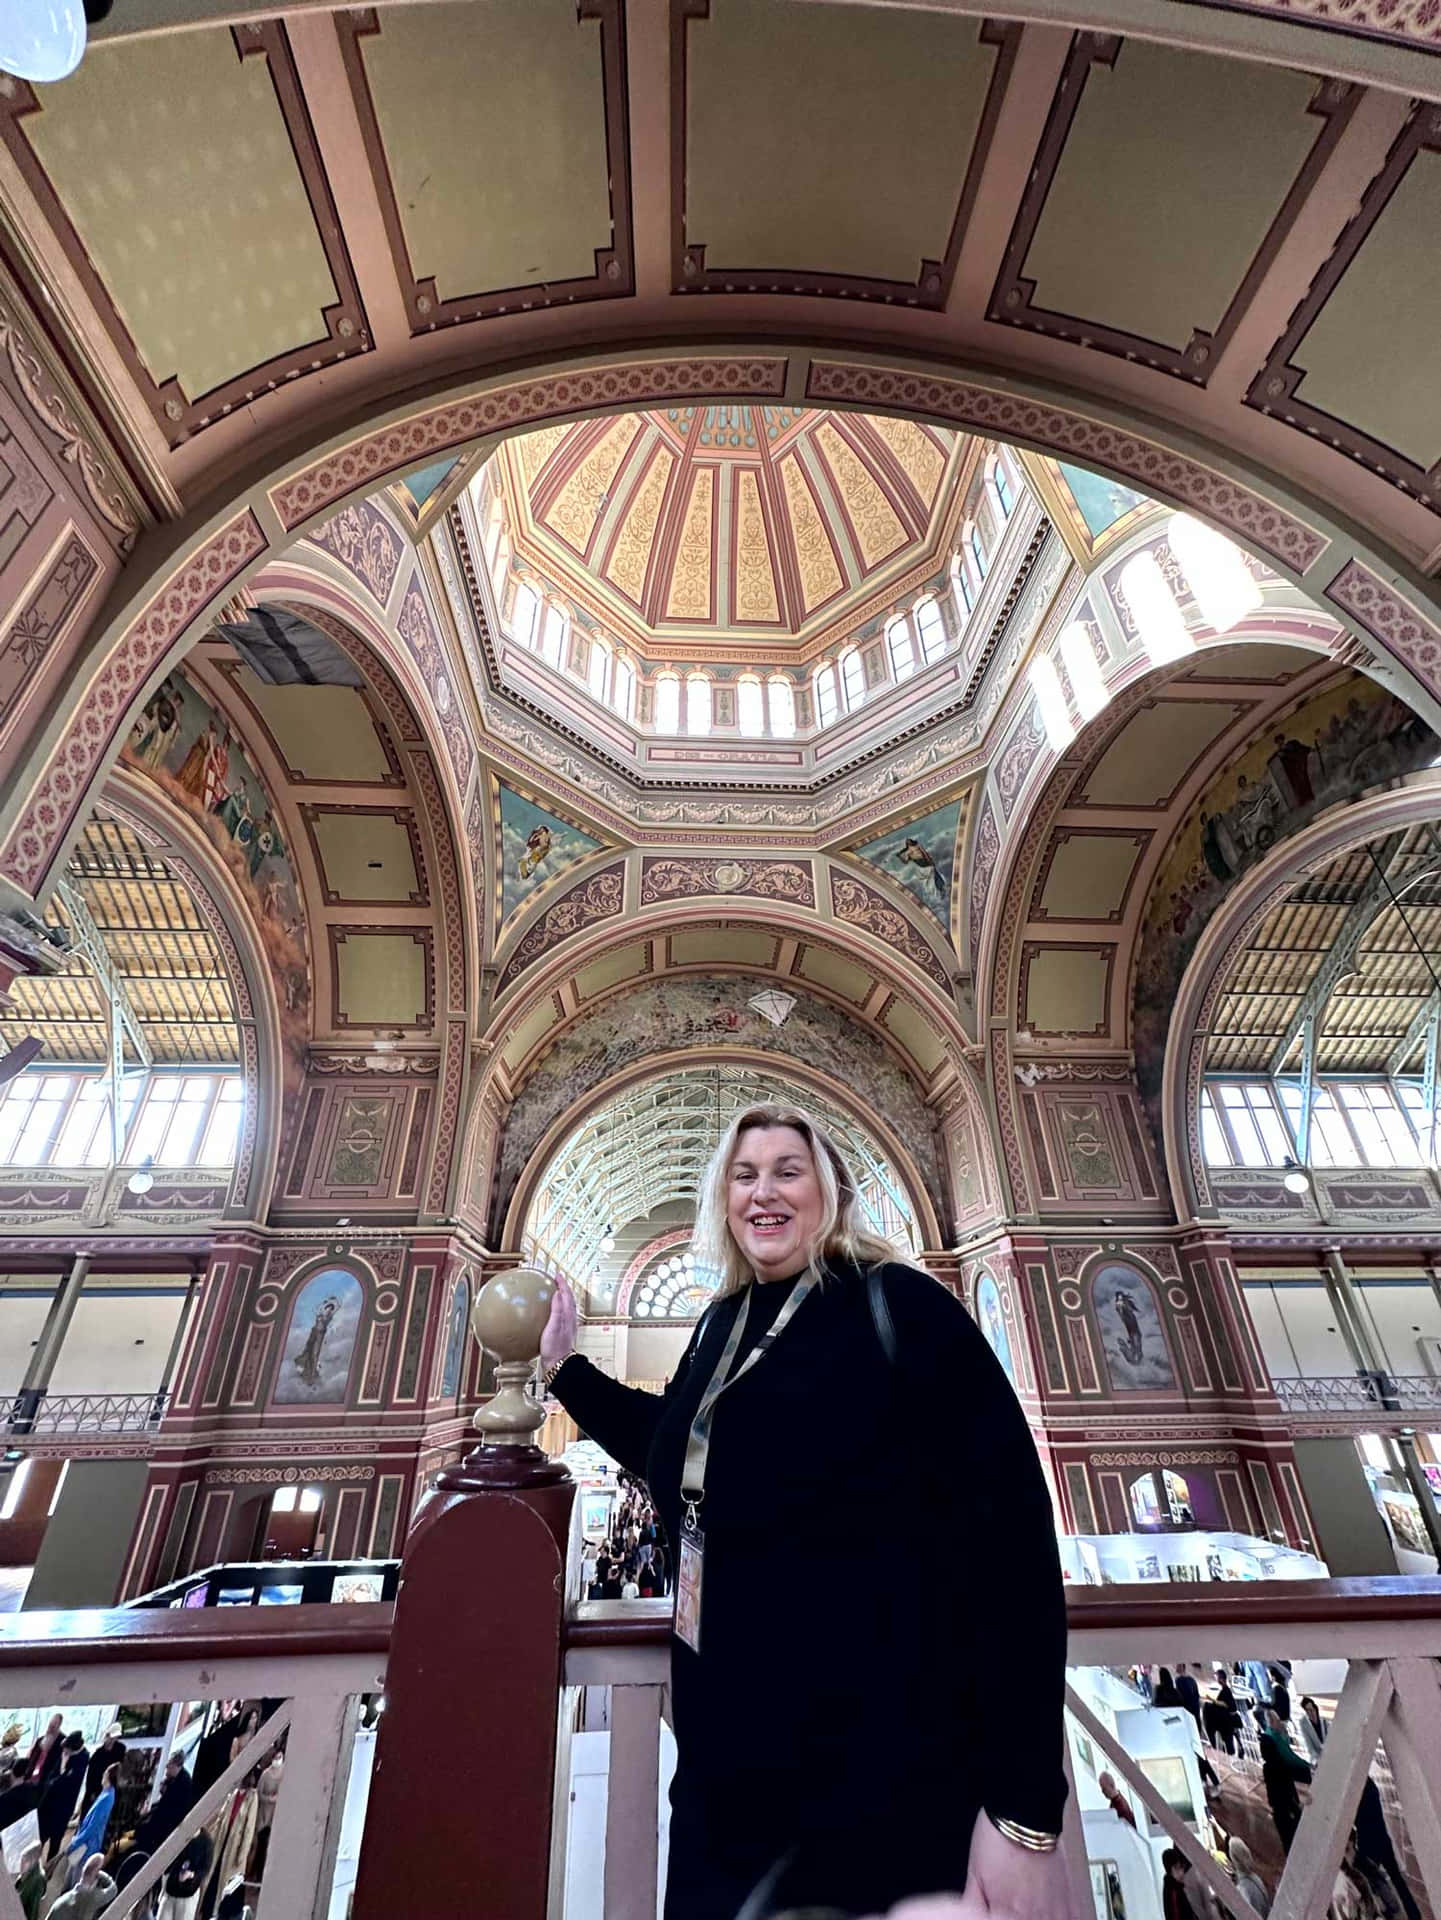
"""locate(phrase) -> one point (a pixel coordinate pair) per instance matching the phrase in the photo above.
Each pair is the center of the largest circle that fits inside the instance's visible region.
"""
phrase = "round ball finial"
(510, 1313)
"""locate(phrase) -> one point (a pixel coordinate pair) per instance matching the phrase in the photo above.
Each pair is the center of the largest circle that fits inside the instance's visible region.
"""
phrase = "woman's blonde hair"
(843, 1233)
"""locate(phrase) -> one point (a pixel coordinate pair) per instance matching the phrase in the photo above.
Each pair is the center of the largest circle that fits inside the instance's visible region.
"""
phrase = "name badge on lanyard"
(690, 1563)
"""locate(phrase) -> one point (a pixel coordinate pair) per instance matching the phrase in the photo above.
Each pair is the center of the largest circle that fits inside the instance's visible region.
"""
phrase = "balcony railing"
(39, 1415)
(1359, 1392)
(1388, 1631)
(316, 1661)
(483, 1644)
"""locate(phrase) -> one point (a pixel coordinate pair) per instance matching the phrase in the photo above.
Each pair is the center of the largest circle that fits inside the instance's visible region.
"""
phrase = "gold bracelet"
(547, 1374)
(1028, 1837)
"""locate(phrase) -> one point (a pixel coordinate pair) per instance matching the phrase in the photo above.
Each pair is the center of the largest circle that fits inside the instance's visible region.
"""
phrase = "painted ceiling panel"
(698, 521)
(323, 733)
(872, 169)
(1145, 763)
(1175, 166)
(1372, 358)
(215, 266)
(499, 184)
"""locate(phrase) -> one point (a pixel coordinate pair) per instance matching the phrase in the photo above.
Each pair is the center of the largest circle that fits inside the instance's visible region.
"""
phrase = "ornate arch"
(546, 1122)
(167, 599)
(270, 1058)
(1225, 936)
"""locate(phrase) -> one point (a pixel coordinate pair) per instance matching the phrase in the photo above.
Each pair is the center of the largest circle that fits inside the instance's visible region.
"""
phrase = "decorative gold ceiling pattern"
(772, 522)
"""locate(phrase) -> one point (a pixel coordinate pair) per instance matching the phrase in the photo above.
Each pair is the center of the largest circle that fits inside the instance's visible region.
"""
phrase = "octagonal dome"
(769, 524)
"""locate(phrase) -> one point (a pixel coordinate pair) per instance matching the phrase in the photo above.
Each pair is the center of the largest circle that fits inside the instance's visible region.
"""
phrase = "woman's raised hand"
(558, 1341)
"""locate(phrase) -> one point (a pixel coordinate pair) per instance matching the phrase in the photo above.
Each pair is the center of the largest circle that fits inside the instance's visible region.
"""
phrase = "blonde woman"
(843, 1740)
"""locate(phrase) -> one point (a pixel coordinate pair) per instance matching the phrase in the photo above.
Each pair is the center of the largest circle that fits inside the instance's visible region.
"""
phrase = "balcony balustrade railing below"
(41, 1415)
(1359, 1392)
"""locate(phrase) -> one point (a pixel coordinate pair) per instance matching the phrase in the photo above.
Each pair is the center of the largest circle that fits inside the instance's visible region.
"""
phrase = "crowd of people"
(87, 1849)
(632, 1562)
(1371, 1883)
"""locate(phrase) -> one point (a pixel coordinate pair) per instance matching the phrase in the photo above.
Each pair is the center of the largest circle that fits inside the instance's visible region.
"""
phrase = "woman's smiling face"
(773, 1200)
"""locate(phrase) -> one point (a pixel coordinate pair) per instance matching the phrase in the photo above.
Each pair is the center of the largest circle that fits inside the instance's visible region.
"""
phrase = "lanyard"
(698, 1447)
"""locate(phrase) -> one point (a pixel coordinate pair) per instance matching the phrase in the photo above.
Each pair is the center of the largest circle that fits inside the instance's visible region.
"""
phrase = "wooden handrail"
(1183, 1605)
(93, 1636)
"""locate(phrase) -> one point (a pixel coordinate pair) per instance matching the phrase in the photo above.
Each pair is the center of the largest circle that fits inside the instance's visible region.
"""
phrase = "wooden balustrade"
(485, 1661)
(1387, 1629)
(317, 1660)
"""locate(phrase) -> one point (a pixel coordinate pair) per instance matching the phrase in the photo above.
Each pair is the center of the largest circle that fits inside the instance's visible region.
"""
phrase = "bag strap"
(881, 1319)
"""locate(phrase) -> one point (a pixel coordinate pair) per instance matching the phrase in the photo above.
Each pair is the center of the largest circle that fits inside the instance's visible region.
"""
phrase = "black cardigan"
(882, 1591)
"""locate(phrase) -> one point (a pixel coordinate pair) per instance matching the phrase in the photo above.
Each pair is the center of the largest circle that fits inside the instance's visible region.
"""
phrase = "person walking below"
(792, 1785)
(1249, 1883)
(1282, 1772)
(1311, 1729)
(59, 1799)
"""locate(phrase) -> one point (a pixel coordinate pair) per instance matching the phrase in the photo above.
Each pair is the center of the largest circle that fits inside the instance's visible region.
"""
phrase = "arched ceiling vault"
(1219, 351)
(649, 1145)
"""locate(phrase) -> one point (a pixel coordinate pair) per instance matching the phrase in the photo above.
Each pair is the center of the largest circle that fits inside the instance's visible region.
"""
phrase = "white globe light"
(41, 39)
(687, 1259)
(1296, 1181)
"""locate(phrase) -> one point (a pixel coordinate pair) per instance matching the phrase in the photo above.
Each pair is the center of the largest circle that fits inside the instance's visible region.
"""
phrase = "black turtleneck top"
(882, 1596)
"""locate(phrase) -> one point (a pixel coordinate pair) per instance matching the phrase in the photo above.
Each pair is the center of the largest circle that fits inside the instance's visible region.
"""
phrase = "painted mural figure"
(307, 1361)
(1131, 1346)
(914, 854)
(1133, 1340)
(203, 770)
(153, 732)
(537, 850)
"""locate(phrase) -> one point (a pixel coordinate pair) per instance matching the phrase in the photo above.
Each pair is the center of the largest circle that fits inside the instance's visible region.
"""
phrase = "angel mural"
(320, 1340)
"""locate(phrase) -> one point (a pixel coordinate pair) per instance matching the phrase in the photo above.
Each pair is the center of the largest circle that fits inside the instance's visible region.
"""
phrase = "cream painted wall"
(1297, 1329)
(100, 1353)
(653, 1352)
(1400, 1314)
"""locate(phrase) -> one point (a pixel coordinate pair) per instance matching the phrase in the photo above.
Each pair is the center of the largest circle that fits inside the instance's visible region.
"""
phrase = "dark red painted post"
(460, 1803)
(458, 1825)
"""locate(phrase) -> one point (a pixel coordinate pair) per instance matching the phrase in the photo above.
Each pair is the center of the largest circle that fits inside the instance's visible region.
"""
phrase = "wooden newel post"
(460, 1804)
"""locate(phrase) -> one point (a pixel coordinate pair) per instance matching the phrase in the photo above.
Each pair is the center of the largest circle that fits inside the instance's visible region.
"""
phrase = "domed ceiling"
(772, 523)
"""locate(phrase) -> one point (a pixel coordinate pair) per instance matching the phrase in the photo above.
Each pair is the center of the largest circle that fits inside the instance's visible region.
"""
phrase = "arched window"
(553, 634)
(1001, 486)
(828, 703)
(599, 670)
(667, 703)
(903, 654)
(977, 551)
(782, 707)
(853, 674)
(622, 691)
(1055, 716)
(524, 609)
(697, 704)
(931, 626)
(1214, 569)
(1159, 621)
(750, 706)
(1083, 670)
(1133, 1336)
(961, 588)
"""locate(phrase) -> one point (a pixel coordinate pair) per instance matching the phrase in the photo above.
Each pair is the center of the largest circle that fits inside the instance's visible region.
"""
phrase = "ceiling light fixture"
(41, 39)
(1215, 570)
(1295, 1178)
(142, 1180)
(773, 1005)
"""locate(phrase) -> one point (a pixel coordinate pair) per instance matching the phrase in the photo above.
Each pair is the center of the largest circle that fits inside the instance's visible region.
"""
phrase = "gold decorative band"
(1027, 1837)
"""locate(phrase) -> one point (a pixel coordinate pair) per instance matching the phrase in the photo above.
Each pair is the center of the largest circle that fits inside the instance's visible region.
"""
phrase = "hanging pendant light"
(41, 39)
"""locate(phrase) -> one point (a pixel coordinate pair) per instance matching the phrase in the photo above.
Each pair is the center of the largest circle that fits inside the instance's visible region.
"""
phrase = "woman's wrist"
(550, 1368)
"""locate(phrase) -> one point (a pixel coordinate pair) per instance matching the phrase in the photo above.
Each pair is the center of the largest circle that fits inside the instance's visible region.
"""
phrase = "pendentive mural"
(534, 846)
(320, 1340)
(1348, 739)
(1100, 502)
(189, 750)
(1133, 1340)
(921, 857)
(992, 1323)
